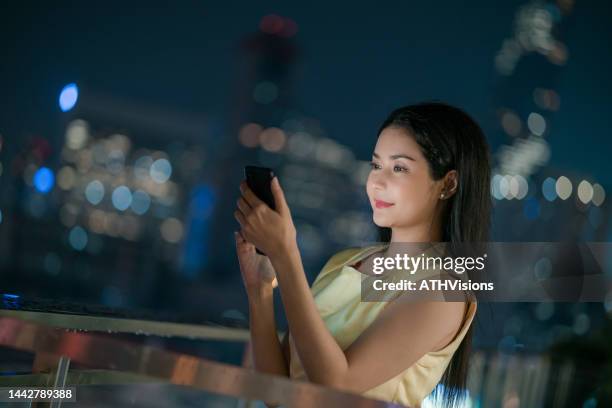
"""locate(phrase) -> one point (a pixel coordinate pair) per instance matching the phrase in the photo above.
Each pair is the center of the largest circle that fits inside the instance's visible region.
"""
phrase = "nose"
(378, 180)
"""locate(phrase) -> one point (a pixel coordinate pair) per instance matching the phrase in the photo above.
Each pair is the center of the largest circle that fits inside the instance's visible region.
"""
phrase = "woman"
(429, 182)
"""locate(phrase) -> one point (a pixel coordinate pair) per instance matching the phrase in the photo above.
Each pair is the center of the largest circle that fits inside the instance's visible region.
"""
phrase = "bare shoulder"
(380, 352)
(447, 316)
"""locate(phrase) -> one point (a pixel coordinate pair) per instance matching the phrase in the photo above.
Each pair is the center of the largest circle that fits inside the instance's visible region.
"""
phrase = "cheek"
(411, 200)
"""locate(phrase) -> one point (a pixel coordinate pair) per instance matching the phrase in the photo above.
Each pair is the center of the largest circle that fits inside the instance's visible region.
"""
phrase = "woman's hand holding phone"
(270, 230)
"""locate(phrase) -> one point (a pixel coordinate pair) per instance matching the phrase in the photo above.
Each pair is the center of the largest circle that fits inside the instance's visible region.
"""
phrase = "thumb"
(279, 197)
(242, 245)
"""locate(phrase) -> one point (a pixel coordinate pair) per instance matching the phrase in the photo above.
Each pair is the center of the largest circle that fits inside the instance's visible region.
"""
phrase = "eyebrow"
(396, 156)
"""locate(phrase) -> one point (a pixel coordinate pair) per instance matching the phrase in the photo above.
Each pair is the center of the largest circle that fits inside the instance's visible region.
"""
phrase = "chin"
(381, 222)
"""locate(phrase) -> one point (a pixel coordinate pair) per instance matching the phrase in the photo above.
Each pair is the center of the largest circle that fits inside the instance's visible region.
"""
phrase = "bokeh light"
(122, 198)
(66, 178)
(511, 123)
(94, 192)
(563, 187)
(77, 238)
(115, 161)
(546, 99)
(68, 97)
(161, 170)
(249, 134)
(172, 230)
(549, 189)
(142, 167)
(140, 202)
(495, 182)
(272, 139)
(77, 134)
(518, 187)
(504, 186)
(301, 144)
(599, 194)
(585, 191)
(43, 180)
(536, 123)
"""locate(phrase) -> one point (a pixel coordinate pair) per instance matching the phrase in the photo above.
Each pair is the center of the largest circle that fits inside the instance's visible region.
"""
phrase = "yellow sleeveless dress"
(337, 294)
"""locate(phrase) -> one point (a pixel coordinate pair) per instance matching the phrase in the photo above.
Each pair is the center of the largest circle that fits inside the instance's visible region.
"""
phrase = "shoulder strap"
(339, 259)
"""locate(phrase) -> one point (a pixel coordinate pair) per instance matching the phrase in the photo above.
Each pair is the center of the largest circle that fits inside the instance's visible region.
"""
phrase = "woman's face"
(399, 186)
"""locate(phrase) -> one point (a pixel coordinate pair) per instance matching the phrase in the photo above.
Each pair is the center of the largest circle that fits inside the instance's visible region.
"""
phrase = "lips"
(382, 204)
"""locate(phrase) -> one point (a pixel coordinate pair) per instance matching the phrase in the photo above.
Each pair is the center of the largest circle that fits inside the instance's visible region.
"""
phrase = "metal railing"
(56, 347)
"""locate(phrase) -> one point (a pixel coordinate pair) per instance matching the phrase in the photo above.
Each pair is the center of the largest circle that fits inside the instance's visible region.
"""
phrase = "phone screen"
(259, 181)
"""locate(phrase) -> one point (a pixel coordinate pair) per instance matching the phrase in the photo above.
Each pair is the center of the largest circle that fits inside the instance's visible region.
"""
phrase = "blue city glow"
(548, 189)
(195, 256)
(531, 208)
(44, 179)
(68, 97)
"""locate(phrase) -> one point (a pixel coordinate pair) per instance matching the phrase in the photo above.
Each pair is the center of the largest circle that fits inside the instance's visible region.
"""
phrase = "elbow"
(336, 376)
(278, 371)
(343, 383)
(332, 381)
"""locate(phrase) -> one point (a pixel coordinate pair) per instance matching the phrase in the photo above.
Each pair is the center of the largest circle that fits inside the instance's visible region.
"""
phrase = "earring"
(442, 195)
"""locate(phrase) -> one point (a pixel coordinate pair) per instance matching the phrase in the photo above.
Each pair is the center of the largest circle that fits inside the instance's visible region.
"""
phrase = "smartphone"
(259, 180)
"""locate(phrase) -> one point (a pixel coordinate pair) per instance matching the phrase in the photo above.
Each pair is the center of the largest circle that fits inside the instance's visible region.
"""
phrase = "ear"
(451, 182)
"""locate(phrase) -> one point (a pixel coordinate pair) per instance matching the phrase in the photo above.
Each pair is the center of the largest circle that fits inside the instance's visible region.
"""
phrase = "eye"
(374, 166)
(400, 168)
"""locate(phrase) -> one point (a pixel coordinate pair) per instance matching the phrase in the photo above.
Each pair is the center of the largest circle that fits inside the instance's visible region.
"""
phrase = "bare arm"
(400, 335)
(268, 354)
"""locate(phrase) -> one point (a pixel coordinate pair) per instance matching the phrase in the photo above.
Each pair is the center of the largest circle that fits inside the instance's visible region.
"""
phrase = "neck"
(420, 233)
(412, 240)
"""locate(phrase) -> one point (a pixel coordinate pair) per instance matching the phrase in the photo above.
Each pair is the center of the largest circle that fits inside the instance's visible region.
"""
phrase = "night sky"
(356, 64)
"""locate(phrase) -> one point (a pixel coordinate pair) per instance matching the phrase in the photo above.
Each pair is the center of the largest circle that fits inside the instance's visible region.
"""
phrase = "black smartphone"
(259, 180)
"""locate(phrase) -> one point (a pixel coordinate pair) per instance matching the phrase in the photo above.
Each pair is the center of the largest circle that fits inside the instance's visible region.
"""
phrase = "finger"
(279, 197)
(242, 244)
(240, 218)
(242, 235)
(238, 239)
(243, 206)
(249, 195)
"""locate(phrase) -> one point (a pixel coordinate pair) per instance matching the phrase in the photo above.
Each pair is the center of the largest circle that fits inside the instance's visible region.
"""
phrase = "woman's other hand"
(257, 271)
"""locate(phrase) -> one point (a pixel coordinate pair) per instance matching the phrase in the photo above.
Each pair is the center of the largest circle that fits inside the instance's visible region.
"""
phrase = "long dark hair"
(450, 139)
